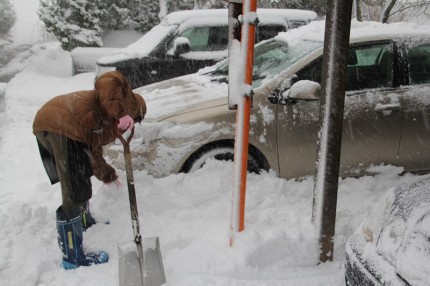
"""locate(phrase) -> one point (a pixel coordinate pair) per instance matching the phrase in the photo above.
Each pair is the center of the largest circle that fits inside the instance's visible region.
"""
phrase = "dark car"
(186, 41)
(392, 246)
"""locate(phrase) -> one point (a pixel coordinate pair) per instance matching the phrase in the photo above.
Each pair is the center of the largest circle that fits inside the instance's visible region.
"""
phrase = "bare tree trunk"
(197, 4)
(163, 9)
(387, 10)
(357, 9)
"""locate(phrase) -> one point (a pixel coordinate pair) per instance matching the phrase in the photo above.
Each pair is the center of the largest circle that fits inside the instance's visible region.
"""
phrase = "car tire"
(218, 152)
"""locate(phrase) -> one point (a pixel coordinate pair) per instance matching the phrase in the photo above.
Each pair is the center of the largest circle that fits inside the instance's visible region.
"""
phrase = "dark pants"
(68, 162)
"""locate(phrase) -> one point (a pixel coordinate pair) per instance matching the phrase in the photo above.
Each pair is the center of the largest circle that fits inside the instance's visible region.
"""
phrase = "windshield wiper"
(221, 78)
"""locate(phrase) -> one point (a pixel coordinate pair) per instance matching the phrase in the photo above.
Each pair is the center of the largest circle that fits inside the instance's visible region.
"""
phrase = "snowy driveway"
(189, 212)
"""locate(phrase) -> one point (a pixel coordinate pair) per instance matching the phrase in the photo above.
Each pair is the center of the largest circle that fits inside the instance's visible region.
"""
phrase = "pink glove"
(125, 122)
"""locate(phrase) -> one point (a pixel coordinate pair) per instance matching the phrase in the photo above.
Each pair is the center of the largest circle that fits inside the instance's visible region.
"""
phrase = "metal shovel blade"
(129, 266)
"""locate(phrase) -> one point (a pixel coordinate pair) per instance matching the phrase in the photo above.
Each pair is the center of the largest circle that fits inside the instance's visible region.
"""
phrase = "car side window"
(265, 32)
(198, 37)
(205, 38)
(368, 67)
(218, 38)
(312, 71)
(419, 64)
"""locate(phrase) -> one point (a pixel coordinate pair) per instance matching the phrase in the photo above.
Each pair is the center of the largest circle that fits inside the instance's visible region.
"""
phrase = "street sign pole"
(333, 86)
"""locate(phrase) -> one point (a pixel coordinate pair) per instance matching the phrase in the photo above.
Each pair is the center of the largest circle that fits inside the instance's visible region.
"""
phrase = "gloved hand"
(125, 122)
(112, 177)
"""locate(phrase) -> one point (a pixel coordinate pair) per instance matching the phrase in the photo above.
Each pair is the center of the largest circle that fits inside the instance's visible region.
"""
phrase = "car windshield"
(271, 58)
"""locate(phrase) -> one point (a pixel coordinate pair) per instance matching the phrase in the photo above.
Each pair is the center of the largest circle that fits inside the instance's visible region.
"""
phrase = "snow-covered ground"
(189, 212)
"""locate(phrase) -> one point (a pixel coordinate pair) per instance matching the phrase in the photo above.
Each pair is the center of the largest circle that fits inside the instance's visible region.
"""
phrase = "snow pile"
(189, 212)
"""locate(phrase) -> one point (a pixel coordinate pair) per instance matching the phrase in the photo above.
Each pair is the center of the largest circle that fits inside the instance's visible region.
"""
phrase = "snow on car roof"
(178, 17)
(222, 21)
(210, 17)
(360, 31)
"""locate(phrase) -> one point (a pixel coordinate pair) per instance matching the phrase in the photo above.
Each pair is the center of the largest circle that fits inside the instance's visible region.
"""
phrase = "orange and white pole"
(249, 20)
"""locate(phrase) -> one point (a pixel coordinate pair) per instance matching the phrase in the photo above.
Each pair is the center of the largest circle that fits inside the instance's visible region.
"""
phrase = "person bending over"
(71, 130)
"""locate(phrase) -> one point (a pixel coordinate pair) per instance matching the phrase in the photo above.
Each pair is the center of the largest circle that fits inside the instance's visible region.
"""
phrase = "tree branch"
(410, 6)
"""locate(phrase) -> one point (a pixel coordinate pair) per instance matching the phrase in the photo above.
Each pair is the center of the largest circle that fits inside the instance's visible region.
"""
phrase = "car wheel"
(218, 152)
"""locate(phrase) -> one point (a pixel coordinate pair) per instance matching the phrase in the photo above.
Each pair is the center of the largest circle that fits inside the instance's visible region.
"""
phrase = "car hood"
(405, 236)
(181, 95)
(395, 238)
(139, 49)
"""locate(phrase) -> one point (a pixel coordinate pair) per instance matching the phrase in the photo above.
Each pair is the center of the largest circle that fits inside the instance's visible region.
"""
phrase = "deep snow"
(189, 212)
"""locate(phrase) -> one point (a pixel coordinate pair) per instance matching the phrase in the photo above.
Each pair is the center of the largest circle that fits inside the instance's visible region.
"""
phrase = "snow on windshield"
(142, 47)
(173, 96)
(271, 58)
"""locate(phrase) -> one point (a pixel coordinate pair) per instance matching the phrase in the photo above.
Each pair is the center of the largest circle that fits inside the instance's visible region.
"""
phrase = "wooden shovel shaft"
(132, 198)
(130, 182)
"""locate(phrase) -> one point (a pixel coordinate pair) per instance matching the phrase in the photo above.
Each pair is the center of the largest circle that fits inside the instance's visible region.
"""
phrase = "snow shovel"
(143, 267)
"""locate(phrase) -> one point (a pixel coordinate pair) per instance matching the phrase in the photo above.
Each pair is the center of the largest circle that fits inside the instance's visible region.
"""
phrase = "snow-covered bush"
(73, 22)
(7, 19)
(82, 23)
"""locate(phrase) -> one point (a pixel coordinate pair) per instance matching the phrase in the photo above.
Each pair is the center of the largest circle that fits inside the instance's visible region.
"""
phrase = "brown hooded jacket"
(91, 116)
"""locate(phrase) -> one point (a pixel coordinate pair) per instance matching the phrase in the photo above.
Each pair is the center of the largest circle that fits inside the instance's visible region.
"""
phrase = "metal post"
(336, 42)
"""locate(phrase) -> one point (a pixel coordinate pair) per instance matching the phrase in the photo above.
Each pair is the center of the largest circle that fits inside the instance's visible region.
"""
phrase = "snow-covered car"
(386, 117)
(186, 41)
(392, 246)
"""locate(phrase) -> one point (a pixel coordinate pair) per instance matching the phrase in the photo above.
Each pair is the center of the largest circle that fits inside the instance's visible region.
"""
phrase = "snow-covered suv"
(186, 41)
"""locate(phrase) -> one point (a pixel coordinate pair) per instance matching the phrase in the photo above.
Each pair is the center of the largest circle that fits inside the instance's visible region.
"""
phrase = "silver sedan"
(387, 107)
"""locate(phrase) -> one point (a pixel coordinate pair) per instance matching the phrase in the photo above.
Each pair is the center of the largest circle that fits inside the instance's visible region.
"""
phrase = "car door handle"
(387, 107)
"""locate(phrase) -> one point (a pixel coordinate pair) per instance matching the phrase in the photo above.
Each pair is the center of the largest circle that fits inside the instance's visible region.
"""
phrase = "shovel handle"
(130, 184)
(132, 198)
(127, 157)
(125, 141)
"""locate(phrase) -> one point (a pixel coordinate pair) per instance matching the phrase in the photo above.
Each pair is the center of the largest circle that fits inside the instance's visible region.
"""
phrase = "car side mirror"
(304, 90)
(292, 90)
(181, 45)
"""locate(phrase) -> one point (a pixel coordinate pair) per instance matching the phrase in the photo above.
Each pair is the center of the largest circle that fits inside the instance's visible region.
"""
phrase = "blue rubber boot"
(87, 218)
(69, 228)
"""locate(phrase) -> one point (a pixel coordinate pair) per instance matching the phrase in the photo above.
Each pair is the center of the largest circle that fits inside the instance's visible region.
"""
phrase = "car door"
(414, 153)
(208, 45)
(372, 116)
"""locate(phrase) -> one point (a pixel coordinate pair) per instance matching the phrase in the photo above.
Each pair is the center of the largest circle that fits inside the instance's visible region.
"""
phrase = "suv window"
(419, 64)
(215, 38)
(205, 38)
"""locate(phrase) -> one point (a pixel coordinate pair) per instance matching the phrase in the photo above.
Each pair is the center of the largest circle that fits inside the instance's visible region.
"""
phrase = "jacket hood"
(138, 111)
(115, 76)
(133, 103)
